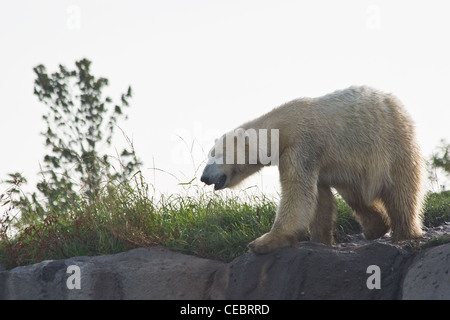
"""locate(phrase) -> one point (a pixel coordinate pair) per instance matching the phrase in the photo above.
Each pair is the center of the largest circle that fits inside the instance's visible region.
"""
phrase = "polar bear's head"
(235, 156)
(228, 161)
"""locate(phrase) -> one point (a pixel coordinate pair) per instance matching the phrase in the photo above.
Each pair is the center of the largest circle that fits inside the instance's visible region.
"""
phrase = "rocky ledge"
(358, 269)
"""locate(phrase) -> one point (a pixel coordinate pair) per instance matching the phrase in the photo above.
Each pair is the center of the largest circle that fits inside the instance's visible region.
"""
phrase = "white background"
(200, 68)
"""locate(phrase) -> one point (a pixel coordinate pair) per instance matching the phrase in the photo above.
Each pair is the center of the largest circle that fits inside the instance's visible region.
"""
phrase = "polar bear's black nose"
(205, 179)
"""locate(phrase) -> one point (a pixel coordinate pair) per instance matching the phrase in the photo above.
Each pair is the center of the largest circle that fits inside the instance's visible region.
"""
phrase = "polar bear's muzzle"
(214, 175)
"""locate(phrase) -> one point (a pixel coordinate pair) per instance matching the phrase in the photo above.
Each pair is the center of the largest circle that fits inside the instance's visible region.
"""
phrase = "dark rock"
(312, 271)
(309, 271)
(429, 275)
(153, 273)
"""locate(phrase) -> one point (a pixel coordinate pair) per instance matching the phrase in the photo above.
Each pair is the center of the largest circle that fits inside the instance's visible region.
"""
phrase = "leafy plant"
(81, 123)
(441, 157)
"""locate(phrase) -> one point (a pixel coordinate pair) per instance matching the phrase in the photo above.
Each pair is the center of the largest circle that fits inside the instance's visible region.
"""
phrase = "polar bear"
(359, 141)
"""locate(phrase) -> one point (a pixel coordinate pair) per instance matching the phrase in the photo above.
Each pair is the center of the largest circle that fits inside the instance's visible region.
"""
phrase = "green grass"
(345, 221)
(127, 216)
(437, 209)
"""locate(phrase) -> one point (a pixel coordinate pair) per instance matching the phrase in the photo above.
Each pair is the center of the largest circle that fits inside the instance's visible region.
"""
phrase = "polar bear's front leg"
(271, 241)
(298, 203)
(291, 224)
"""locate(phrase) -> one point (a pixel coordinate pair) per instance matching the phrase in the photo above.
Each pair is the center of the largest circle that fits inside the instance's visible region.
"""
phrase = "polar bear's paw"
(271, 241)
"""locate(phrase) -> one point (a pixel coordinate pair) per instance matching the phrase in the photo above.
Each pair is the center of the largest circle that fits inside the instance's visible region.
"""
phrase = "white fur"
(360, 141)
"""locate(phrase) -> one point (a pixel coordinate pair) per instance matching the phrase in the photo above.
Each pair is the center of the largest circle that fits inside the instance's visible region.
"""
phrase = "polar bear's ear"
(215, 140)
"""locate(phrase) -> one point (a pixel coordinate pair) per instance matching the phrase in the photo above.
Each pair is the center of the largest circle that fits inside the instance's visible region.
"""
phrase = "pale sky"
(200, 68)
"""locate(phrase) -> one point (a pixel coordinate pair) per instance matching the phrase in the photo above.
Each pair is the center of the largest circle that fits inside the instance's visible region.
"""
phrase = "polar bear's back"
(356, 127)
(364, 110)
(356, 134)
